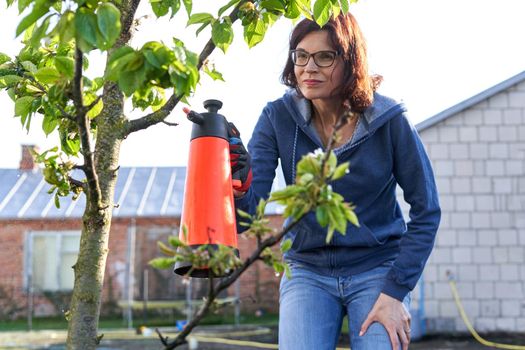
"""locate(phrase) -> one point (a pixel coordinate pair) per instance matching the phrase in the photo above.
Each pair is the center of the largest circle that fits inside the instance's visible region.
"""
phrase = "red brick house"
(40, 242)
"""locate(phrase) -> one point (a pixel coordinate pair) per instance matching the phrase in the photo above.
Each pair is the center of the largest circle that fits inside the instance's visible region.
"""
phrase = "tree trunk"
(96, 223)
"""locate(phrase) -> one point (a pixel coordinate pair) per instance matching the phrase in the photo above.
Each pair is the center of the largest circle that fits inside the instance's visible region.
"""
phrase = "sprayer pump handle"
(212, 106)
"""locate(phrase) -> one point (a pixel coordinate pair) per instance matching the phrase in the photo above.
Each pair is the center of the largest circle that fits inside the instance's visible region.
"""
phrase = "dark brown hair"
(346, 37)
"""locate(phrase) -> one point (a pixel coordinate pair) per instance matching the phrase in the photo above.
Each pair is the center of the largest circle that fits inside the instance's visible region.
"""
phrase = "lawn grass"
(50, 323)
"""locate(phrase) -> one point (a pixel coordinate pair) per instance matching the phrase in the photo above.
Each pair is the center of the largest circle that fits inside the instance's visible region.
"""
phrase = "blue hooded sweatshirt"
(384, 151)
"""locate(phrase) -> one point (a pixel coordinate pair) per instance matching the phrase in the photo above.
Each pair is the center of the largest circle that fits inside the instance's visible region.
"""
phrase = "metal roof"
(140, 192)
(449, 112)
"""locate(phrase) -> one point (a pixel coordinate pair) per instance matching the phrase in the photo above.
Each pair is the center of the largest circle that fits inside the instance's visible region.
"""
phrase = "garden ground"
(218, 338)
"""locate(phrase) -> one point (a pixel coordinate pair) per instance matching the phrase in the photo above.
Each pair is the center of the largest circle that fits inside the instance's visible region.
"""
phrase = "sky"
(432, 54)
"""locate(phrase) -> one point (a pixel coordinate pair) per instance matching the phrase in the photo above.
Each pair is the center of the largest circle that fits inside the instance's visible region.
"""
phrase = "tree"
(48, 80)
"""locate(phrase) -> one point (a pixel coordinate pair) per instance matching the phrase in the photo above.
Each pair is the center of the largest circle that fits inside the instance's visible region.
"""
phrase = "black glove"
(240, 161)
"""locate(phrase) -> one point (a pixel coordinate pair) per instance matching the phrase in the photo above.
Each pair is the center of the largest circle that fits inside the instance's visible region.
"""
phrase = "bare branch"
(161, 114)
(79, 167)
(83, 122)
(163, 340)
(77, 183)
(170, 124)
(223, 284)
(77, 83)
(93, 104)
(65, 114)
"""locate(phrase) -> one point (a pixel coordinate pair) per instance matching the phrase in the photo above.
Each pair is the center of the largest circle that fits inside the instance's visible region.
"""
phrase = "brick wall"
(259, 285)
(479, 162)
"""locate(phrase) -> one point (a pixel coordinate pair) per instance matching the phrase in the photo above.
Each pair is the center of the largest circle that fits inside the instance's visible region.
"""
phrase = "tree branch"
(161, 114)
(213, 293)
(83, 122)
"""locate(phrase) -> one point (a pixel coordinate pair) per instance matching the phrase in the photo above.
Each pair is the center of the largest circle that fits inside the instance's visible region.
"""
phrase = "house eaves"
(449, 112)
(139, 192)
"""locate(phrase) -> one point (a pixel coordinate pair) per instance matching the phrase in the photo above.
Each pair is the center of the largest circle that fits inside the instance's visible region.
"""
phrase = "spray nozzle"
(193, 116)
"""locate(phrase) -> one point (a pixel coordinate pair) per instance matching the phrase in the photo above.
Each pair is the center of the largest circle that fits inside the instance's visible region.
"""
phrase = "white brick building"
(478, 152)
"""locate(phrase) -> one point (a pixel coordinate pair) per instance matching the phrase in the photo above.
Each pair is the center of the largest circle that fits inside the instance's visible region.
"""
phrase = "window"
(50, 257)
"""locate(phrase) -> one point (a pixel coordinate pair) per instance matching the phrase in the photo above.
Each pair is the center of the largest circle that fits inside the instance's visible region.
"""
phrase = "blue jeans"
(312, 308)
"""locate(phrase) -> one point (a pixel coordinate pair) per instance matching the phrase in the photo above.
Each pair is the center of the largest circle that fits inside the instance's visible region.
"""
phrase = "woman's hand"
(394, 316)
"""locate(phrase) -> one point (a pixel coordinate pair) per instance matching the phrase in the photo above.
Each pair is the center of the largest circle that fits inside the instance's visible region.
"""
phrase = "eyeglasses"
(321, 58)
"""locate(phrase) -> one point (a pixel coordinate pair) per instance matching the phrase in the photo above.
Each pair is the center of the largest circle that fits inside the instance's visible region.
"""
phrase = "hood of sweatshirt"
(381, 111)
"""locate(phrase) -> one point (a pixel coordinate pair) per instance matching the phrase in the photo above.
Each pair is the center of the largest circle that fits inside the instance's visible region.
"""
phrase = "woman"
(368, 273)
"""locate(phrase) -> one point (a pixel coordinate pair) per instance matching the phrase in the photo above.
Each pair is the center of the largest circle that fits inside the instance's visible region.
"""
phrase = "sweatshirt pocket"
(304, 238)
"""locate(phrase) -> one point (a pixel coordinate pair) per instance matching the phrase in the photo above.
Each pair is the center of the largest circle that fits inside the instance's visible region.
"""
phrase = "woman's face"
(313, 81)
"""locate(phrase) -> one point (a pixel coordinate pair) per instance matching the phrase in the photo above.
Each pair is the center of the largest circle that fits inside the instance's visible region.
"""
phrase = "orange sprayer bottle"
(208, 211)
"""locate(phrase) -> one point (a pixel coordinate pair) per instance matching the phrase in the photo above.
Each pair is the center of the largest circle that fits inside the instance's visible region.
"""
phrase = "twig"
(93, 104)
(77, 183)
(163, 340)
(170, 124)
(340, 122)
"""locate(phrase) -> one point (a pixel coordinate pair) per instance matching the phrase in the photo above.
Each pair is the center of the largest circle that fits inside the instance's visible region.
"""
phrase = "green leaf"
(336, 9)
(160, 7)
(329, 234)
(65, 28)
(57, 201)
(345, 6)
(350, 216)
(49, 123)
(22, 4)
(65, 65)
(254, 32)
(286, 245)
(29, 66)
(23, 105)
(39, 32)
(322, 9)
(215, 75)
(86, 29)
(162, 263)
(4, 58)
(305, 8)
(278, 267)
(321, 214)
(131, 80)
(273, 5)
(341, 171)
(222, 34)
(38, 11)
(200, 18)
(175, 6)
(244, 214)
(175, 241)
(47, 75)
(270, 18)
(8, 81)
(58, 6)
(108, 20)
(332, 161)
(118, 60)
(227, 6)
(188, 6)
(97, 108)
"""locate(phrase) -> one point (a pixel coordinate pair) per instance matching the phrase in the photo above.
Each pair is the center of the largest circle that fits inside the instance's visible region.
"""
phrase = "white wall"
(479, 162)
